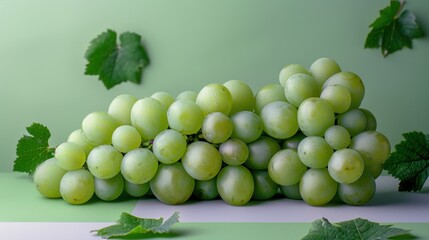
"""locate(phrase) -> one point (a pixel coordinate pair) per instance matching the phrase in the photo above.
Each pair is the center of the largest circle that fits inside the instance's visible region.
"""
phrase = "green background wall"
(192, 43)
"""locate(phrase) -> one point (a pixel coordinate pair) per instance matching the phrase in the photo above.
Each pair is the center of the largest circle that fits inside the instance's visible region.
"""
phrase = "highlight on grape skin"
(305, 136)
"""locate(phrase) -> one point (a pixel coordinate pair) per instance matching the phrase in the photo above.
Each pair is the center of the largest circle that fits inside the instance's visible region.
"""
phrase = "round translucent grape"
(79, 138)
(285, 167)
(373, 146)
(109, 189)
(317, 187)
(235, 185)
(358, 192)
(126, 138)
(338, 96)
(314, 152)
(279, 120)
(149, 117)
(172, 184)
(120, 108)
(323, 68)
(247, 126)
(217, 127)
(242, 95)
(214, 97)
(290, 70)
(169, 146)
(185, 116)
(353, 120)
(202, 161)
(268, 94)
(260, 152)
(98, 128)
(206, 189)
(187, 95)
(47, 177)
(371, 121)
(293, 142)
(77, 186)
(299, 87)
(374, 169)
(345, 166)
(265, 188)
(291, 191)
(70, 156)
(234, 151)
(163, 97)
(315, 115)
(136, 190)
(352, 82)
(104, 161)
(139, 166)
(337, 137)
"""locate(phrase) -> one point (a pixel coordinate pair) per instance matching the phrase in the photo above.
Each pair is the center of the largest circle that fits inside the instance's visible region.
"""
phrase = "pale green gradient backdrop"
(192, 43)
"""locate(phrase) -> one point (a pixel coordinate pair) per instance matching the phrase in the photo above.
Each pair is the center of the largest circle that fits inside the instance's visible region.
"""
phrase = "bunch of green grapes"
(305, 137)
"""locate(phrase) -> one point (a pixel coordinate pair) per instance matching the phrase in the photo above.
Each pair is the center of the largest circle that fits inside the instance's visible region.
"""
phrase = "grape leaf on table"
(358, 228)
(129, 225)
(116, 64)
(33, 150)
(410, 161)
(394, 29)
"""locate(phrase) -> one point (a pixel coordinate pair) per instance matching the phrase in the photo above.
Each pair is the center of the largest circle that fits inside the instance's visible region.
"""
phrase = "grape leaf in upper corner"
(358, 228)
(33, 150)
(410, 161)
(394, 29)
(114, 63)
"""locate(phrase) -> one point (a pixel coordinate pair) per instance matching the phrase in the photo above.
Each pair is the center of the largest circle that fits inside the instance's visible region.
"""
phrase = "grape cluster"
(305, 137)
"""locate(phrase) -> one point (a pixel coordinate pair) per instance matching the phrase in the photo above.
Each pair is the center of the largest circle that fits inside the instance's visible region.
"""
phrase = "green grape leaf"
(357, 228)
(410, 161)
(114, 63)
(33, 150)
(129, 225)
(394, 29)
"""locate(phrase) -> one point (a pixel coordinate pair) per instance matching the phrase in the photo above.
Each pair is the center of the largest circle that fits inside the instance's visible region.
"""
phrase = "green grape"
(314, 152)
(77, 186)
(126, 138)
(285, 167)
(268, 94)
(202, 161)
(315, 115)
(358, 192)
(352, 82)
(172, 184)
(291, 191)
(136, 190)
(260, 152)
(109, 189)
(139, 166)
(188, 95)
(373, 146)
(79, 138)
(338, 96)
(242, 96)
(206, 189)
(374, 169)
(120, 108)
(247, 126)
(279, 120)
(353, 120)
(234, 151)
(98, 128)
(345, 166)
(217, 127)
(149, 117)
(299, 87)
(265, 188)
(214, 97)
(293, 142)
(323, 68)
(70, 156)
(290, 70)
(235, 185)
(47, 177)
(104, 161)
(185, 116)
(371, 121)
(316, 187)
(337, 137)
(169, 146)
(163, 97)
